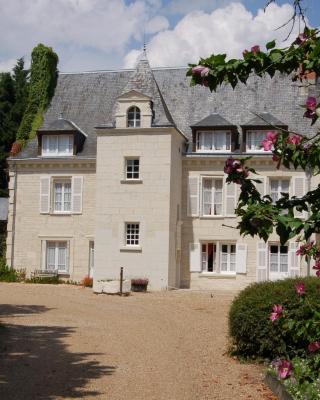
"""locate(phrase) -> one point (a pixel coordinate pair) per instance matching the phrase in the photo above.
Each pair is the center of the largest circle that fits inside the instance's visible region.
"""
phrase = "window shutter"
(241, 258)
(43, 255)
(194, 257)
(299, 190)
(193, 196)
(294, 260)
(262, 261)
(230, 190)
(45, 194)
(77, 183)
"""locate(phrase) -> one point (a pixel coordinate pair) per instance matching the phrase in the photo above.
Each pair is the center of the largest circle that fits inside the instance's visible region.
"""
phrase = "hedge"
(251, 331)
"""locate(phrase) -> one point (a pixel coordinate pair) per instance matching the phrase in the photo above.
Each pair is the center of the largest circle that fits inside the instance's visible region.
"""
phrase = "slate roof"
(214, 120)
(264, 119)
(88, 100)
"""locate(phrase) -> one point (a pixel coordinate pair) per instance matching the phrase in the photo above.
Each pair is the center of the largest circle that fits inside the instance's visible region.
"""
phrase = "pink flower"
(294, 139)
(311, 103)
(272, 136)
(232, 166)
(276, 158)
(314, 346)
(200, 70)
(277, 312)
(300, 288)
(284, 369)
(318, 273)
(267, 145)
(301, 39)
(255, 49)
(245, 52)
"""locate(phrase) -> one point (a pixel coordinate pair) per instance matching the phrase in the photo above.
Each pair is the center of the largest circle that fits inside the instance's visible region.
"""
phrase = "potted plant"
(139, 284)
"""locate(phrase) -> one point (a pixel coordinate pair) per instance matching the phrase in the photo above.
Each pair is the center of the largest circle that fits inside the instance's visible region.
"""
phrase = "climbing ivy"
(43, 80)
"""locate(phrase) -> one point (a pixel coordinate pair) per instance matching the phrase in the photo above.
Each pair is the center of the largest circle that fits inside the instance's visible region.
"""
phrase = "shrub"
(45, 279)
(7, 274)
(252, 333)
(87, 282)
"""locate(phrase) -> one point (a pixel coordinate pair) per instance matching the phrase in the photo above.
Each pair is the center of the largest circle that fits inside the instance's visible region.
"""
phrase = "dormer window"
(134, 118)
(254, 139)
(57, 145)
(208, 141)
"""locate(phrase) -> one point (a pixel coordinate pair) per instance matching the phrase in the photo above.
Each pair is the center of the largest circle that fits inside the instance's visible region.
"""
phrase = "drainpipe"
(14, 207)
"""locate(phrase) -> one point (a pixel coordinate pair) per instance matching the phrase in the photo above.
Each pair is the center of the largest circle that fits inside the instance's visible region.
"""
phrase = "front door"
(278, 262)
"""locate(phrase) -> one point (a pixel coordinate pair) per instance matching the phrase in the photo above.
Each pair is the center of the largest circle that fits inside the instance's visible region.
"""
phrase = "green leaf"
(271, 45)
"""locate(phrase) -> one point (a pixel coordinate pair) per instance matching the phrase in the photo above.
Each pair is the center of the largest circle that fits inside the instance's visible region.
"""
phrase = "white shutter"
(43, 255)
(261, 187)
(230, 190)
(77, 183)
(262, 261)
(294, 260)
(194, 257)
(241, 258)
(299, 190)
(45, 194)
(193, 196)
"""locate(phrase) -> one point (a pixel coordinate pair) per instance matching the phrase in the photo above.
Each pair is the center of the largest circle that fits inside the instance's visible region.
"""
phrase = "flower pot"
(97, 286)
(277, 387)
(113, 287)
(139, 287)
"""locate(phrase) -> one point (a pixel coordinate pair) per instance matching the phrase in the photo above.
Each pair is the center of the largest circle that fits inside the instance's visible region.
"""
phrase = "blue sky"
(109, 34)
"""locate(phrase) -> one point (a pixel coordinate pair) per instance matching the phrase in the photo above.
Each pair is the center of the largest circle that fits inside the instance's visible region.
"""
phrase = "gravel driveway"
(64, 342)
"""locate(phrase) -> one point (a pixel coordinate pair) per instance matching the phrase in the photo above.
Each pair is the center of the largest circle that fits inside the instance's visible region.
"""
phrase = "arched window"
(133, 117)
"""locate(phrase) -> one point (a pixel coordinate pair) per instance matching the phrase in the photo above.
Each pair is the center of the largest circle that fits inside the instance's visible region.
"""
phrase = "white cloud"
(94, 28)
(186, 6)
(226, 30)
(7, 65)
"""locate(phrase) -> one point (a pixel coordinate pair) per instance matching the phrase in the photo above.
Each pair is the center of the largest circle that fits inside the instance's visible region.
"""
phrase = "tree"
(259, 215)
(43, 80)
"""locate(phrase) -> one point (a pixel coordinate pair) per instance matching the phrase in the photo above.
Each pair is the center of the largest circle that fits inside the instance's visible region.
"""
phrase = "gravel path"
(64, 342)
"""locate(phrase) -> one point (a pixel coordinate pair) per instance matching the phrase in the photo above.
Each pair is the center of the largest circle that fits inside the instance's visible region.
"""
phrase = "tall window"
(132, 233)
(211, 196)
(57, 257)
(254, 140)
(278, 186)
(228, 258)
(132, 168)
(208, 257)
(214, 141)
(278, 259)
(57, 145)
(134, 118)
(62, 196)
(91, 258)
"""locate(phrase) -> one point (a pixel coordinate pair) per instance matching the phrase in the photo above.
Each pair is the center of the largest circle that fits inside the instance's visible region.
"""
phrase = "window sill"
(60, 213)
(134, 249)
(131, 181)
(212, 216)
(216, 275)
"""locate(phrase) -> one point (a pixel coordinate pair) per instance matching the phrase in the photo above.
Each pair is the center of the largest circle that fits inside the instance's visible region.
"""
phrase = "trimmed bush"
(45, 279)
(251, 331)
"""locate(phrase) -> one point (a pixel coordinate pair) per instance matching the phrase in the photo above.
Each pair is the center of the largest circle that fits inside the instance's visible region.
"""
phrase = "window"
(62, 196)
(132, 168)
(211, 196)
(214, 141)
(254, 140)
(278, 186)
(132, 233)
(228, 258)
(134, 117)
(208, 257)
(57, 145)
(57, 257)
(278, 259)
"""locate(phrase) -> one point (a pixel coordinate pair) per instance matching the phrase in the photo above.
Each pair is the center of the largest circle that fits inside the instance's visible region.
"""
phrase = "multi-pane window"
(214, 141)
(211, 196)
(228, 258)
(62, 196)
(57, 145)
(278, 186)
(134, 118)
(254, 140)
(278, 259)
(132, 233)
(57, 257)
(132, 168)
